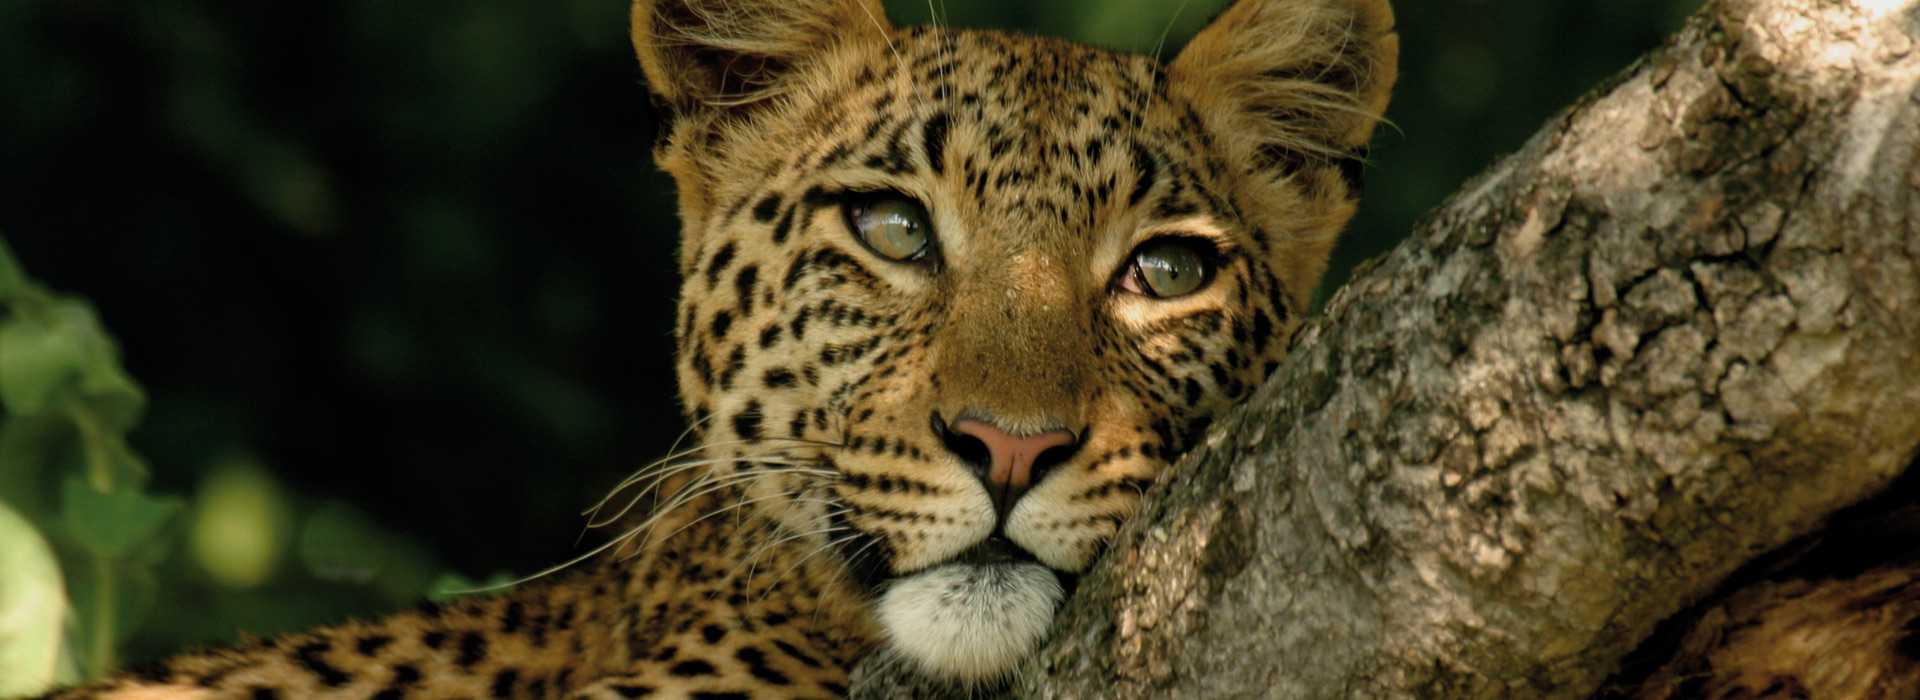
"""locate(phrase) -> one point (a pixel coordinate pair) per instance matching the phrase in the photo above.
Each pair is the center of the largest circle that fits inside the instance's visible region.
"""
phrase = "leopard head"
(954, 299)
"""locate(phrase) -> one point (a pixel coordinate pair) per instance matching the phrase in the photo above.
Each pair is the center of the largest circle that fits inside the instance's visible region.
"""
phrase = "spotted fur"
(817, 373)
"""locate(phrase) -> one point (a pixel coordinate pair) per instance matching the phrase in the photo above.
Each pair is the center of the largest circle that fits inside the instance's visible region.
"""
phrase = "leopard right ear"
(713, 54)
(1292, 91)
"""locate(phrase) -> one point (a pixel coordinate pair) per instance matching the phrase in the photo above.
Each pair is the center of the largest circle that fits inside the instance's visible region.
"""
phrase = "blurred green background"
(396, 276)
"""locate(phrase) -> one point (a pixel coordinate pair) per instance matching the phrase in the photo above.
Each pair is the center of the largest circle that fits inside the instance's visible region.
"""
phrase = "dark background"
(412, 259)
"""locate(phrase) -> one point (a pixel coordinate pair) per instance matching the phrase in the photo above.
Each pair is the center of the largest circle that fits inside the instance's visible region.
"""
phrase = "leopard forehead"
(1016, 141)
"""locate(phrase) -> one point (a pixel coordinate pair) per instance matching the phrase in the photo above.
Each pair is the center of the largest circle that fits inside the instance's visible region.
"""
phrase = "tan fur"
(816, 372)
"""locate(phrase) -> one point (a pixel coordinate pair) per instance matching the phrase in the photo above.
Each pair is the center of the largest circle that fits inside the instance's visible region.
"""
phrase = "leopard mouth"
(1000, 551)
(995, 550)
(975, 616)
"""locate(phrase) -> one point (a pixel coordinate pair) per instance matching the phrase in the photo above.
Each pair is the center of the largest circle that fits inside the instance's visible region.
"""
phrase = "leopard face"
(954, 299)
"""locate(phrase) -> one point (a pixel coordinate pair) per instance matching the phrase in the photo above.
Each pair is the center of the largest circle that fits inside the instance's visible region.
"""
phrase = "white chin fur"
(970, 622)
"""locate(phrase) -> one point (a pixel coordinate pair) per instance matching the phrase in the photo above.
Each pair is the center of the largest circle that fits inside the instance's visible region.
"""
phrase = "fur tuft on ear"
(1294, 80)
(1291, 91)
(718, 53)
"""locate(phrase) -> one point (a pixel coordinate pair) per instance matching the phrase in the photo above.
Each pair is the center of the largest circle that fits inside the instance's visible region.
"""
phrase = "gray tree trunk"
(1678, 329)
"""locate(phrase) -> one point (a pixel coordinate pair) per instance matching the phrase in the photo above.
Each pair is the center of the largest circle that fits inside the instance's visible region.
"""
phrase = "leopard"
(953, 300)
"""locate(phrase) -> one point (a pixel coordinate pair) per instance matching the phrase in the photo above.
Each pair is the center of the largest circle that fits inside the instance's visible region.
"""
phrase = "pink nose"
(1011, 458)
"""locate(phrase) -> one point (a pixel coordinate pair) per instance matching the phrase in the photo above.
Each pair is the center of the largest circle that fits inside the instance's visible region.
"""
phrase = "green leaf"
(111, 395)
(110, 463)
(33, 607)
(39, 359)
(112, 524)
(35, 451)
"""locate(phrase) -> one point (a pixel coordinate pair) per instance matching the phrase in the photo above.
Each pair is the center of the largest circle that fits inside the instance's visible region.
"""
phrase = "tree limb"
(1676, 330)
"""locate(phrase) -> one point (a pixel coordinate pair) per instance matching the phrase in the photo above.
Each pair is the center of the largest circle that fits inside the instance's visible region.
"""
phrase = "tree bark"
(1677, 330)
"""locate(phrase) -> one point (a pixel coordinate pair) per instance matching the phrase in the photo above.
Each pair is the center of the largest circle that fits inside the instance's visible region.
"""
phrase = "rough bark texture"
(1678, 329)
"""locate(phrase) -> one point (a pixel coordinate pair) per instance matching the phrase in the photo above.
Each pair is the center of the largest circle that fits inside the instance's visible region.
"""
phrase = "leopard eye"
(891, 225)
(1169, 268)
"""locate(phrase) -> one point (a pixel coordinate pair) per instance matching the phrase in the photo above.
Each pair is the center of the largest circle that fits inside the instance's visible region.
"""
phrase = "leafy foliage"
(73, 482)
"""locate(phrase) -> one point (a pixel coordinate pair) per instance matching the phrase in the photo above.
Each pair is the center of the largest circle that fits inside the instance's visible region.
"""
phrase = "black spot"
(473, 648)
(633, 691)
(793, 651)
(503, 683)
(933, 142)
(713, 633)
(405, 674)
(719, 262)
(1262, 330)
(692, 667)
(710, 695)
(1146, 172)
(783, 229)
(746, 423)
(764, 211)
(371, 644)
(756, 662)
(510, 621)
(800, 323)
(816, 197)
(743, 286)
(722, 322)
(736, 361)
(433, 639)
(260, 693)
(308, 655)
(779, 377)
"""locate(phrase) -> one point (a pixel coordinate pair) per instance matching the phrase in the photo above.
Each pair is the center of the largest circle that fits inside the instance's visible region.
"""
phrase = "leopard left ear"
(711, 61)
(716, 54)
(1292, 90)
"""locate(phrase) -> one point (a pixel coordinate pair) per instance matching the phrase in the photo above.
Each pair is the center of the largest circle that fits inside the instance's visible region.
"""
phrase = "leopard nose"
(1007, 464)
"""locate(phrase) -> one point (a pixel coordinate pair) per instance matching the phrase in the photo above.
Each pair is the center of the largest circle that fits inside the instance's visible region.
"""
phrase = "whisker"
(1161, 44)
(736, 508)
(660, 478)
(649, 470)
(752, 564)
(706, 485)
(770, 456)
(753, 558)
(877, 24)
(816, 552)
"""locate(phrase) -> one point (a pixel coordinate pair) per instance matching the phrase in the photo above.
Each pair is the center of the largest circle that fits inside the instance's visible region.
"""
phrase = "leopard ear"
(717, 53)
(1306, 77)
(1291, 90)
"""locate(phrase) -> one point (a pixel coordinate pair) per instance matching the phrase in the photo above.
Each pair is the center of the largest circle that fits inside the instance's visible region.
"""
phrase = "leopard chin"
(971, 622)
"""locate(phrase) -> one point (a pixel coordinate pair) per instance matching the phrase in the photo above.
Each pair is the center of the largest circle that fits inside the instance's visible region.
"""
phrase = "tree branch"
(1676, 330)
